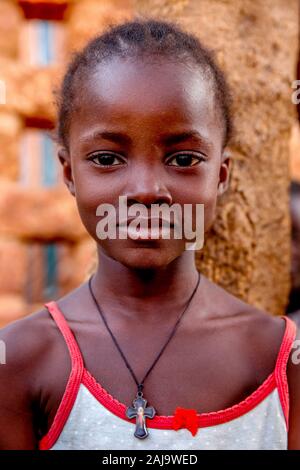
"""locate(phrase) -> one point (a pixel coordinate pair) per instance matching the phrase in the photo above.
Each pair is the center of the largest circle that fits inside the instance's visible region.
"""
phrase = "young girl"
(148, 354)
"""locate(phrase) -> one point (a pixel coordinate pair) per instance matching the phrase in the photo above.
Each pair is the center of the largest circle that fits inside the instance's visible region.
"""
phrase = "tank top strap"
(62, 324)
(281, 365)
(74, 380)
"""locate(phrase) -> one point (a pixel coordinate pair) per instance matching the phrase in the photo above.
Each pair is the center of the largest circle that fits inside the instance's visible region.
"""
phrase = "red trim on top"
(74, 380)
(166, 422)
(281, 366)
(80, 374)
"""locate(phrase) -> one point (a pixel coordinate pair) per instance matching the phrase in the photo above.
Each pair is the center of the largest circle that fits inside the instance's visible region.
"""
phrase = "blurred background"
(44, 249)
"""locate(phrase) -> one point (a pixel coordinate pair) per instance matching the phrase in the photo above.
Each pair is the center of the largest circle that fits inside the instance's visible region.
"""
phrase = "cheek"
(93, 189)
(90, 193)
(87, 202)
(203, 192)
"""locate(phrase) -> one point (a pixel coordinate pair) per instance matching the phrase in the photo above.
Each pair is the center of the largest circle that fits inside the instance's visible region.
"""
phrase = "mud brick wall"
(247, 251)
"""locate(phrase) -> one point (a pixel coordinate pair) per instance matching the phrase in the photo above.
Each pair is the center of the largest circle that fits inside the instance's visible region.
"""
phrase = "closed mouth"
(150, 222)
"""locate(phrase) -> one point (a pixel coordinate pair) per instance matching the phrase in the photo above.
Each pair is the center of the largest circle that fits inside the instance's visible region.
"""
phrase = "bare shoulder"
(24, 342)
(37, 367)
(30, 339)
(256, 322)
(263, 334)
(257, 333)
(22, 338)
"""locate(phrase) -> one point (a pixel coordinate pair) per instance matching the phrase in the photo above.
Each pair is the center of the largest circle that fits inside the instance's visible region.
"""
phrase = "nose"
(147, 186)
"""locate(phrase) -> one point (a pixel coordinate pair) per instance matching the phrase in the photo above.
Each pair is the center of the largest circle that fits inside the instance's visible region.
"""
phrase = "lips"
(147, 221)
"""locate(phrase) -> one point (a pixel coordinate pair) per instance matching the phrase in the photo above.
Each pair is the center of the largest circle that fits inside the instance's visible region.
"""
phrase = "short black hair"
(141, 38)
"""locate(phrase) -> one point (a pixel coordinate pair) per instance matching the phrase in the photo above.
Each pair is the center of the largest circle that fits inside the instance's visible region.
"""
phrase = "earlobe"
(65, 160)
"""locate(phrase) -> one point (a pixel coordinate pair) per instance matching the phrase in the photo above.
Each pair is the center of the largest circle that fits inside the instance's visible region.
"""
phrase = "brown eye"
(184, 160)
(106, 159)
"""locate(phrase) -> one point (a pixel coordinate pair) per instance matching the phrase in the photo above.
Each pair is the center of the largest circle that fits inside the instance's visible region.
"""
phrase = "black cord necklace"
(140, 410)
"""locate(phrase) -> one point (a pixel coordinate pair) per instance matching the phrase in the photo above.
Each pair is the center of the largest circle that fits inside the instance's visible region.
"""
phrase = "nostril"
(149, 199)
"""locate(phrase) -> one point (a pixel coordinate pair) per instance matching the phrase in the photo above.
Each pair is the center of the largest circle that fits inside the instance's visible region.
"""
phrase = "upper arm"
(16, 402)
(293, 374)
(16, 430)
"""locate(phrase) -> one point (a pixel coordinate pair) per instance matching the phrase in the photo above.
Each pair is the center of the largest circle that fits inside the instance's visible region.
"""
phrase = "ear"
(225, 172)
(65, 160)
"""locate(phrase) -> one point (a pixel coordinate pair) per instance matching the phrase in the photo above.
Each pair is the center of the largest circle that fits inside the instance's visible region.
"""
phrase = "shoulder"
(23, 343)
(272, 341)
(22, 337)
(259, 328)
(29, 338)
(35, 354)
(255, 333)
(36, 366)
(263, 335)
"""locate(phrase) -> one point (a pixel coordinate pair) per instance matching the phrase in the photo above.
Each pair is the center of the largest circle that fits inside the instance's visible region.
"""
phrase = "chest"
(193, 371)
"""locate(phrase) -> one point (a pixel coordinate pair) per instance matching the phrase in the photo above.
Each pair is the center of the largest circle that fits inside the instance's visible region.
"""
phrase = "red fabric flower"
(184, 418)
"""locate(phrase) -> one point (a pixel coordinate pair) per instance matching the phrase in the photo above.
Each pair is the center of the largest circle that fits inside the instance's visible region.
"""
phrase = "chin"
(145, 257)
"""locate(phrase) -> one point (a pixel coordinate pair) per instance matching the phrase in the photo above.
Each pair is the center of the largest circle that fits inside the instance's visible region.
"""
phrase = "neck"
(145, 291)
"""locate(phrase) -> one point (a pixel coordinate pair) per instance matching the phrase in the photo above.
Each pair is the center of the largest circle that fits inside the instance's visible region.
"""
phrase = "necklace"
(139, 408)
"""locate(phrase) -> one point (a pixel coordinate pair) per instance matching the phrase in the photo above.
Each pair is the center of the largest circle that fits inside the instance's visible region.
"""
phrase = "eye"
(185, 160)
(106, 159)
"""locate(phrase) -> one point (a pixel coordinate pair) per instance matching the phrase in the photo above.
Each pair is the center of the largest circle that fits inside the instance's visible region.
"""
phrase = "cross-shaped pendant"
(140, 411)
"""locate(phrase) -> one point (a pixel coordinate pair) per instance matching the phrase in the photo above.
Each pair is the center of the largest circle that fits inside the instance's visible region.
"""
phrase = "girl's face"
(150, 131)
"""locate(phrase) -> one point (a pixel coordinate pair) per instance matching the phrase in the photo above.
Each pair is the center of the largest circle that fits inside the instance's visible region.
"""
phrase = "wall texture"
(247, 251)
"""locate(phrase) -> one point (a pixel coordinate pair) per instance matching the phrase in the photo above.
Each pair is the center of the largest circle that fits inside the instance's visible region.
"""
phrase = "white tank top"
(89, 418)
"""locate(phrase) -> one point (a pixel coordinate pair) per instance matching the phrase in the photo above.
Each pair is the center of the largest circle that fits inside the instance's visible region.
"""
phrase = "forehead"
(147, 96)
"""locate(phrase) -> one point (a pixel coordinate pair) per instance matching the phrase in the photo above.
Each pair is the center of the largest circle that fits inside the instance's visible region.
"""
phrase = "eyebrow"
(176, 138)
(166, 139)
(117, 137)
